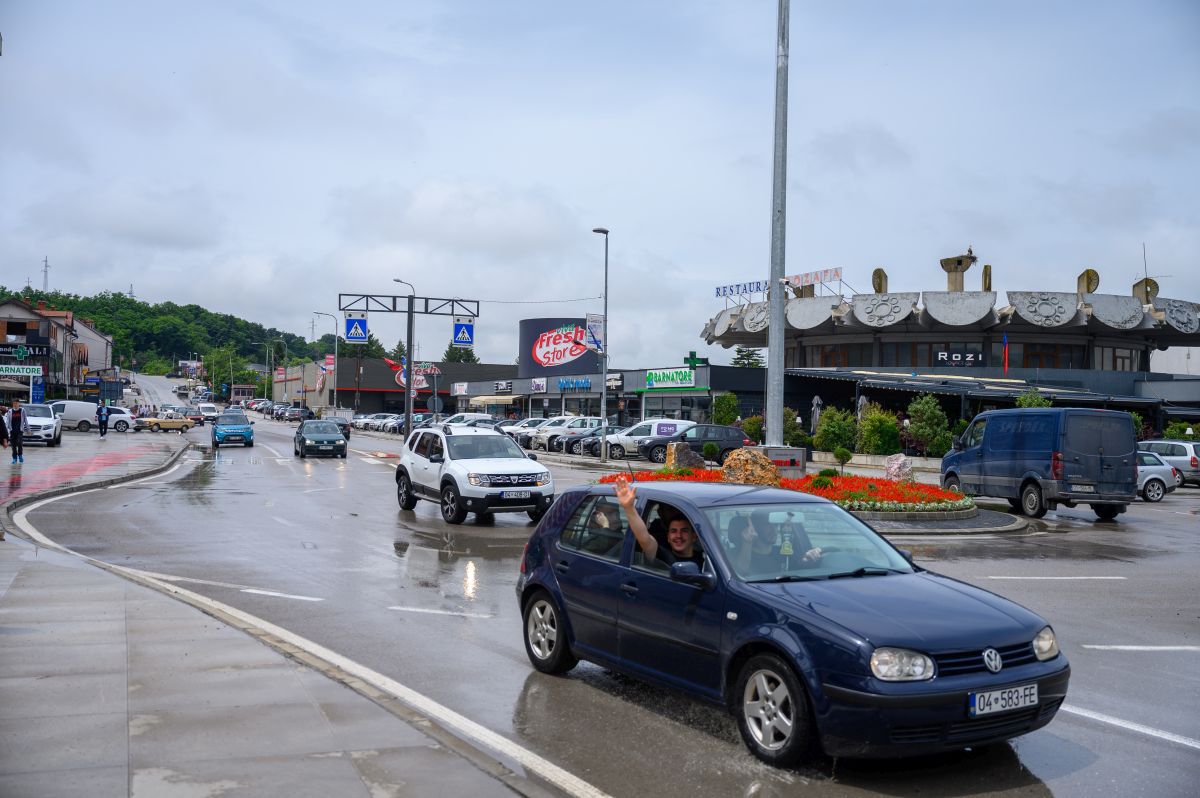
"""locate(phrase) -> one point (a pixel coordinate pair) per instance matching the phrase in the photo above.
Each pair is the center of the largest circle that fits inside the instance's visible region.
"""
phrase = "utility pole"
(46, 275)
(775, 330)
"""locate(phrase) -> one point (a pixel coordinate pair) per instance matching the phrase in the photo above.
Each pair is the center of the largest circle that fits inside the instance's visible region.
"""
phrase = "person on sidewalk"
(18, 427)
(102, 418)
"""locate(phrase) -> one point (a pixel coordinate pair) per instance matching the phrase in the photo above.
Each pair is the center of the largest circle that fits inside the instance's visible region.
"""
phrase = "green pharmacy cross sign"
(20, 353)
(693, 361)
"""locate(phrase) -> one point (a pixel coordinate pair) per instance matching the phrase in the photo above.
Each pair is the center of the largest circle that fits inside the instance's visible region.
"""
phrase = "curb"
(1017, 525)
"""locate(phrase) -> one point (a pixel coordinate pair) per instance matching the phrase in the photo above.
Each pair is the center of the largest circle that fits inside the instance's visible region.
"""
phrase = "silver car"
(1183, 455)
(1155, 477)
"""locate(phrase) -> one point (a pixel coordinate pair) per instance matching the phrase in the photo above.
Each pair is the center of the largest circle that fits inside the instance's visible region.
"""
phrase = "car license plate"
(1084, 488)
(1010, 698)
(233, 437)
(514, 494)
(326, 447)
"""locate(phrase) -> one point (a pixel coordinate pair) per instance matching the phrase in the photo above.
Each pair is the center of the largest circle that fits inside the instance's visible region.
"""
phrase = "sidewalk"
(109, 688)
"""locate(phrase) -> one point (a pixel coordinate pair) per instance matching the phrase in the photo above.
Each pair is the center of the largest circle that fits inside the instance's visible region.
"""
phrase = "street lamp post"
(285, 368)
(604, 357)
(410, 377)
(335, 356)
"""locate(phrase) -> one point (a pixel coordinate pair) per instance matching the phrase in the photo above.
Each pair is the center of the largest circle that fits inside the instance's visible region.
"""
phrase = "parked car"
(278, 411)
(232, 428)
(318, 437)
(627, 442)
(572, 441)
(512, 426)
(1156, 478)
(545, 435)
(298, 414)
(462, 418)
(471, 470)
(1039, 458)
(376, 424)
(163, 422)
(343, 425)
(852, 651)
(74, 413)
(195, 415)
(590, 444)
(727, 439)
(44, 424)
(361, 421)
(120, 419)
(1184, 456)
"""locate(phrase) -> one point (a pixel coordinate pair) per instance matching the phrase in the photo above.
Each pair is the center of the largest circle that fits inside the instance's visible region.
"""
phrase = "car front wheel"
(616, 451)
(404, 493)
(952, 484)
(659, 454)
(83, 426)
(1154, 490)
(121, 426)
(772, 711)
(536, 515)
(546, 637)
(452, 510)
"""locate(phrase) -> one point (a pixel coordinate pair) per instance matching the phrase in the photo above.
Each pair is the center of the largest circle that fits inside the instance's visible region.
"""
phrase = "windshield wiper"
(783, 578)
(866, 570)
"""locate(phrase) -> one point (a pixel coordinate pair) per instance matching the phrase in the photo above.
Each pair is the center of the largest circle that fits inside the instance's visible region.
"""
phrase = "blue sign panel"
(464, 333)
(356, 330)
(39, 390)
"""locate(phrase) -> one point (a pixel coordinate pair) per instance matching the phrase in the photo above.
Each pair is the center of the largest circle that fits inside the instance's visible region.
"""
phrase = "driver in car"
(682, 541)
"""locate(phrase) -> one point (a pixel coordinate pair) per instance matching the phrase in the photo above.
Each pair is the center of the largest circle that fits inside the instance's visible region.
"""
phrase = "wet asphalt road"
(332, 558)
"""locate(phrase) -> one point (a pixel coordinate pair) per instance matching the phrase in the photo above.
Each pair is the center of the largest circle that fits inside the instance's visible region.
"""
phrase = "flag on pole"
(393, 364)
(1006, 354)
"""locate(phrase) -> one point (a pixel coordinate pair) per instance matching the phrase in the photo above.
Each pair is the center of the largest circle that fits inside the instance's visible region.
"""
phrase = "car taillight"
(524, 551)
(1195, 463)
(747, 442)
(1056, 465)
(1175, 472)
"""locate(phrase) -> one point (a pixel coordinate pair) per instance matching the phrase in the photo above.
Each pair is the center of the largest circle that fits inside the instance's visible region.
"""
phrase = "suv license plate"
(1084, 488)
(514, 494)
(233, 437)
(1025, 695)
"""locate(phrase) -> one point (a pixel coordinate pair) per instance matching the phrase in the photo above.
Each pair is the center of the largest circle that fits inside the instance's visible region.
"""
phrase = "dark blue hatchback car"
(811, 628)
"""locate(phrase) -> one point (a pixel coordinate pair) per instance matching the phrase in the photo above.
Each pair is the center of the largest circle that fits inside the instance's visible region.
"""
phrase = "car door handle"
(630, 588)
(562, 567)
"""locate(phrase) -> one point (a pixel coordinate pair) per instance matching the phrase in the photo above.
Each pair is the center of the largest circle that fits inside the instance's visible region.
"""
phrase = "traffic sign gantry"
(356, 328)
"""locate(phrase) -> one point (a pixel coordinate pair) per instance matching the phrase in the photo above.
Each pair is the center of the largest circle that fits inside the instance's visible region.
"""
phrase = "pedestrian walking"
(18, 427)
(102, 418)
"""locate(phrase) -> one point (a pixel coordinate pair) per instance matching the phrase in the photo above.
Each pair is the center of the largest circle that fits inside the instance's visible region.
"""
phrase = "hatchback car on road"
(1155, 477)
(811, 628)
(319, 437)
(1184, 456)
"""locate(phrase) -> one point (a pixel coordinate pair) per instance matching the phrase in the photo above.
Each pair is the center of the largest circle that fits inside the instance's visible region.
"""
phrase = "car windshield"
(797, 542)
(473, 447)
(38, 411)
(321, 428)
(231, 418)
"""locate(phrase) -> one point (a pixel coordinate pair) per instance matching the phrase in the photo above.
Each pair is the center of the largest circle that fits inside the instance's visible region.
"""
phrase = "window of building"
(1114, 358)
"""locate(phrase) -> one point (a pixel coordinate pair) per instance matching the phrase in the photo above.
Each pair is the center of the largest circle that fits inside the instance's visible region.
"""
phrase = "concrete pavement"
(110, 688)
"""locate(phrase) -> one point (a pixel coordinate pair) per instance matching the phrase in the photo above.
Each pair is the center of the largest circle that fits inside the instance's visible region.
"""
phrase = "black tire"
(1154, 490)
(1106, 512)
(1179, 480)
(404, 493)
(83, 426)
(577, 448)
(536, 515)
(343, 455)
(55, 441)
(453, 511)
(121, 426)
(658, 454)
(546, 635)
(1015, 504)
(485, 519)
(215, 445)
(616, 451)
(1032, 503)
(302, 452)
(155, 428)
(721, 457)
(249, 443)
(766, 690)
(952, 483)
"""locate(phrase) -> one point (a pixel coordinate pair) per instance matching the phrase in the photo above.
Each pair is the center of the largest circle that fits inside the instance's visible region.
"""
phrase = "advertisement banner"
(537, 385)
(279, 373)
(329, 363)
(458, 389)
(595, 332)
(555, 346)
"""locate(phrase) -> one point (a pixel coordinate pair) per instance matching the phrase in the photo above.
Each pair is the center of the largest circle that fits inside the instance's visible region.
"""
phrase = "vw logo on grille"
(991, 658)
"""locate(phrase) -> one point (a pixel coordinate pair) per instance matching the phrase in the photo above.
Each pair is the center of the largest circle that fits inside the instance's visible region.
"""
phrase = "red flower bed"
(697, 475)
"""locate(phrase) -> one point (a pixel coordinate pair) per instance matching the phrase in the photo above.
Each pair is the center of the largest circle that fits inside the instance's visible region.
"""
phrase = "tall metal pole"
(410, 376)
(775, 331)
(604, 357)
(335, 356)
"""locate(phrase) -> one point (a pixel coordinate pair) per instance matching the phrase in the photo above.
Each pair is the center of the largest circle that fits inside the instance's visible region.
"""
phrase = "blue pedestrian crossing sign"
(464, 332)
(356, 328)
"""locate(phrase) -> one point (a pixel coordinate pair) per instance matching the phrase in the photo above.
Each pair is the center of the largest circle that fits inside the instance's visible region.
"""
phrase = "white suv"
(471, 470)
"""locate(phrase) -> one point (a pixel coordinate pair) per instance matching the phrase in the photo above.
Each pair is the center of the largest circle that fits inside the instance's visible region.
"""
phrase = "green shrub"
(1177, 431)
(793, 431)
(843, 456)
(753, 427)
(711, 452)
(960, 427)
(827, 472)
(941, 444)
(1032, 398)
(835, 428)
(725, 408)
(878, 432)
(822, 482)
(927, 421)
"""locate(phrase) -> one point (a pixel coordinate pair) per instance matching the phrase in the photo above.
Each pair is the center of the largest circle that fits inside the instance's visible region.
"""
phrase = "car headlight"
(1045, 645)
(901, 665)
(543, 479)
(479, 479)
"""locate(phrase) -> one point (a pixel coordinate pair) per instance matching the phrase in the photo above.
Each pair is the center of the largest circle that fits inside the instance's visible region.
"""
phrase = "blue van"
(1039, 458)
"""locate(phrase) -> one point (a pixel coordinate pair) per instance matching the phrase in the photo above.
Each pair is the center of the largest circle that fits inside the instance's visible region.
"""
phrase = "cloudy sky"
(258, 158)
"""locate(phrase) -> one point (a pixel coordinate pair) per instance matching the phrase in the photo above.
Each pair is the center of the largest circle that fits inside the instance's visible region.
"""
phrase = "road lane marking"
(283, 521)
(444, 612)
(145, 480)
(1141, 648)
(258, 592)
(371, 460)
(1135, 727)
(458, 724)
(1061, 578)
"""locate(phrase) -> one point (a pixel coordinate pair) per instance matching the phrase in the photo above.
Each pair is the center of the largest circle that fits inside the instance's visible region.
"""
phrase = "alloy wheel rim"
(448, 502)
(1154, 490)
(542, 629)
(768, 709)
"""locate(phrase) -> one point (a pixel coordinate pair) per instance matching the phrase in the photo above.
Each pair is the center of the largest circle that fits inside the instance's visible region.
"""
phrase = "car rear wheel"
(546, 636)
(721, 457)
(616, 451)
(1178, 475)
(953, 485)
(1106, 512)
(772, 711)
(1015, 504)
(121, 426)
(1154, 490)
(1032, 503)
(659, 454)
(154, 428)
(404, 493)
(83, 426)
(577, 448)
(452, 510)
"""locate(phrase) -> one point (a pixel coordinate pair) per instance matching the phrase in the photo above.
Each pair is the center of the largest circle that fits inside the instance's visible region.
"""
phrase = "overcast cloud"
(258, 158)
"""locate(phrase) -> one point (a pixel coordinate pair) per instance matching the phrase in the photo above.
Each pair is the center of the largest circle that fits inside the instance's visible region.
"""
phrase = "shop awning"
(506, 399)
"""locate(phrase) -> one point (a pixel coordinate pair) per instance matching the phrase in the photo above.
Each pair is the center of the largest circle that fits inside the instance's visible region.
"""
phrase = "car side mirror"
(907, 555)
(252, 423)
(689, 573)
(958, 444)
(531, 456)
(58, 415)
(437, 458)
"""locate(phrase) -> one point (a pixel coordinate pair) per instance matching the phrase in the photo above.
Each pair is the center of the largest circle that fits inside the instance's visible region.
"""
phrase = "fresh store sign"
(671, 378)
(559, 346)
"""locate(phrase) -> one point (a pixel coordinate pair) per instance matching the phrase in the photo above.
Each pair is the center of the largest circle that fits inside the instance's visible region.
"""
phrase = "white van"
(80, 415)
(463, 418)
(627, 442)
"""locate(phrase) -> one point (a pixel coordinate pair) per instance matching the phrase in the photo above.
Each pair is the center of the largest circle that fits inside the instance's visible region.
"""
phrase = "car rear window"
(1111, 434)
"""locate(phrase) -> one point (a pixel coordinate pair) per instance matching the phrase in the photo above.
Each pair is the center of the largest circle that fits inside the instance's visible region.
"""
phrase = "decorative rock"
(680, 455)
(748, 466)
(897, 467)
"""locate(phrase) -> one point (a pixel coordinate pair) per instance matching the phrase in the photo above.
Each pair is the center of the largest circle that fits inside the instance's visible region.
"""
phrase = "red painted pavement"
(23, 482)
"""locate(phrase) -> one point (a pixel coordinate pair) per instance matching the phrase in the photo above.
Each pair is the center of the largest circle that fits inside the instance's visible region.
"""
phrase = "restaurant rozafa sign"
(559, 346)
